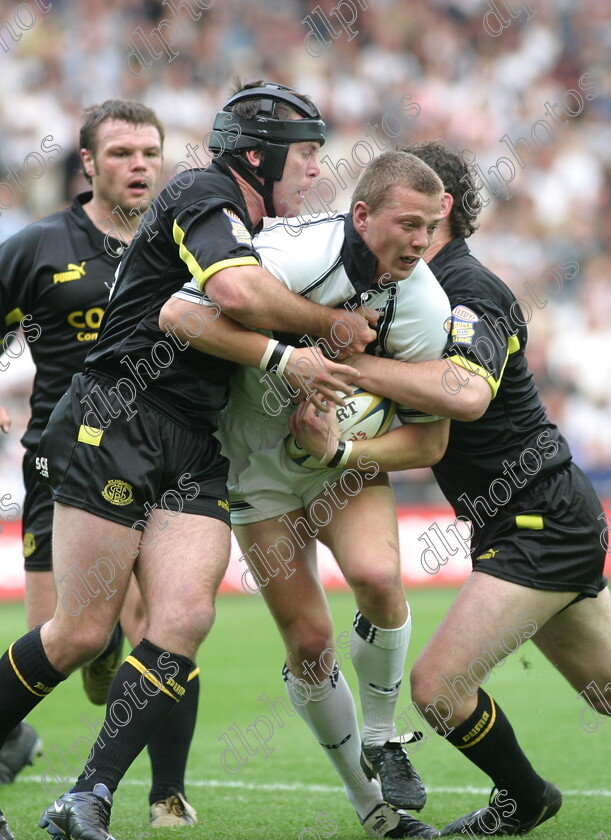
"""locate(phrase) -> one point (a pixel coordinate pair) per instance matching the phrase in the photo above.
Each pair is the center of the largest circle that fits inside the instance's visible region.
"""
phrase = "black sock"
(26, 677)
(143, 693)
(487, 739)
(169, 746)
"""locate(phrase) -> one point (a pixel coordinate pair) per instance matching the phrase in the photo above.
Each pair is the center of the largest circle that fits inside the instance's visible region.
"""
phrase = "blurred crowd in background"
(524, 87)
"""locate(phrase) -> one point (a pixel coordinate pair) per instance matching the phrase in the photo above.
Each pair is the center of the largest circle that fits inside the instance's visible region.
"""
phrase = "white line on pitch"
(299, 787)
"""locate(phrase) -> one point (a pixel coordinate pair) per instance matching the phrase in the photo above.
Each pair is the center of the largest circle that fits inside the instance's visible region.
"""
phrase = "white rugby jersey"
(327, 261)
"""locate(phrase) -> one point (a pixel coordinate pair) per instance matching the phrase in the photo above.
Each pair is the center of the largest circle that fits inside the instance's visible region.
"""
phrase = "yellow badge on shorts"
(118, 492)
(488, 555)
(223, 503)
(29, 544)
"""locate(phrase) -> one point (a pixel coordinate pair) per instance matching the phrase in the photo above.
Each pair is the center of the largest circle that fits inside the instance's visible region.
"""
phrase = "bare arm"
(254, 297)
(438, 387)
(307, 371)
(407, 447)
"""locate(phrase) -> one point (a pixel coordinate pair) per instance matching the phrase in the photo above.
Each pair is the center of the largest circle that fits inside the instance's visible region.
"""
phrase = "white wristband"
(341, 456)
(271, 346)
(284, 360)
(347, 453)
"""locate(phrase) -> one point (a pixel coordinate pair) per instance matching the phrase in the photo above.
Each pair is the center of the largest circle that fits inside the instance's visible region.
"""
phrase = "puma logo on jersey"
(74, 272)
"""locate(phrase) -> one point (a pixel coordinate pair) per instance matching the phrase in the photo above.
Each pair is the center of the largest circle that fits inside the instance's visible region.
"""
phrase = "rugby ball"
(364, 416)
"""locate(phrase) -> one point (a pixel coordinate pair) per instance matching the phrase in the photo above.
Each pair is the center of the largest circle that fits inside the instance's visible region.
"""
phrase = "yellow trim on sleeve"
(513, 345)
(149, 675)
(201, 281)
(195, 268)
(194, 673)
(531, 521)
(186, 255)
(90, 435)
(14, 316)
(473, 367)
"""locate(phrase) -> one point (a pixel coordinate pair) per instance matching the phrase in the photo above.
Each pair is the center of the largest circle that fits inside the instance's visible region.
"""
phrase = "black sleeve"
(211, 238)
(482, 337)
(17, 256)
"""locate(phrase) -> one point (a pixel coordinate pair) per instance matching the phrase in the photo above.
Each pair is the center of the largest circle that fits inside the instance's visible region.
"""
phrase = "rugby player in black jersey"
(55, 277)
(538, 529)
(131, 460)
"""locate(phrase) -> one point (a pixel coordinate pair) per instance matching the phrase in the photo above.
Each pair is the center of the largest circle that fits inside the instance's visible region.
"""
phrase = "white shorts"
(263, 481)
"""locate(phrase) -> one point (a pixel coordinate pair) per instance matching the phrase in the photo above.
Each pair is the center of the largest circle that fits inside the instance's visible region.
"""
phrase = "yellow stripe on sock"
(485, 731)
(145, 672)
(19, 675)
(194, 673)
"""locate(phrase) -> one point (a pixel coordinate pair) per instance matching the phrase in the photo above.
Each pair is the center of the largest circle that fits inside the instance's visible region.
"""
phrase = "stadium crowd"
(532, 106)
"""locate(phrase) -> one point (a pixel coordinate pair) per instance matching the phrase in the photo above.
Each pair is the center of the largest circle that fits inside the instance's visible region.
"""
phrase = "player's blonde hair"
(390, 170)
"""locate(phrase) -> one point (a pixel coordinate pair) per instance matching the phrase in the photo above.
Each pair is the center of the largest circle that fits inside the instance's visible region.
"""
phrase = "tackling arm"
(308, 371)
(255, 298)
(437, 387)
(407, 447)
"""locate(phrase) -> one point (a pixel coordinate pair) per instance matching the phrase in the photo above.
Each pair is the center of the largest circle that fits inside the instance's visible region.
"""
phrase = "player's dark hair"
(249, 108)
(125, 110)
(394, 169)
(458, 179)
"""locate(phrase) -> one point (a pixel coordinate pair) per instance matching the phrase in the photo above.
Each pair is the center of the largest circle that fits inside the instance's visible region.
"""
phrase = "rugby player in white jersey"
(279, 508)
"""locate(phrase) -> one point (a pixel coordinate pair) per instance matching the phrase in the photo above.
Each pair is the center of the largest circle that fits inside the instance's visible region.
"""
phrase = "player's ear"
(88, 162)
(447, 202)
(253, 156)
(360, 215)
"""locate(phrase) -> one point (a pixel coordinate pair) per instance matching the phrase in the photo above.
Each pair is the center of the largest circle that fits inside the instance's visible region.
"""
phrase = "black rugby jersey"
(514, 441)
(55, 276)
(196, 226)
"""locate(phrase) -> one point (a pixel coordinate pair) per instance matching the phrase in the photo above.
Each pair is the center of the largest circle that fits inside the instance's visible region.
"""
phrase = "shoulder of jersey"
(302, 226)
(48, 225)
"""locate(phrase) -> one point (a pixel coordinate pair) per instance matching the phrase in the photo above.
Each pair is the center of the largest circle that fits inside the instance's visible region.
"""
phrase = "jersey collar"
(360, 263)
(454, 248)
(89, 236)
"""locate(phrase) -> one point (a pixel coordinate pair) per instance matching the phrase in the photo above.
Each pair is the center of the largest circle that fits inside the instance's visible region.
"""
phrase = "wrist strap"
(271, 346)
(288, 349)
(342, 454)
(276, 356)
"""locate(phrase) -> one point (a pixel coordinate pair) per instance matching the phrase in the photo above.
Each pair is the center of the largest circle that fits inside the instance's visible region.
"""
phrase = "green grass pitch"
(281, 791)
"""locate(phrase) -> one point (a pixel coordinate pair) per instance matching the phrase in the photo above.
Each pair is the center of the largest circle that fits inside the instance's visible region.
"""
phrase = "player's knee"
(599, 697)
(182, 629)
(377, 586)
(311, 650)
(89, 642)
(601, 707)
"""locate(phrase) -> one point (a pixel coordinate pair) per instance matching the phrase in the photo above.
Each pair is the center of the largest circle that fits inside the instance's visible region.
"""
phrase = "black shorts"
(549, 537)
(134, 466)
(36, 518)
